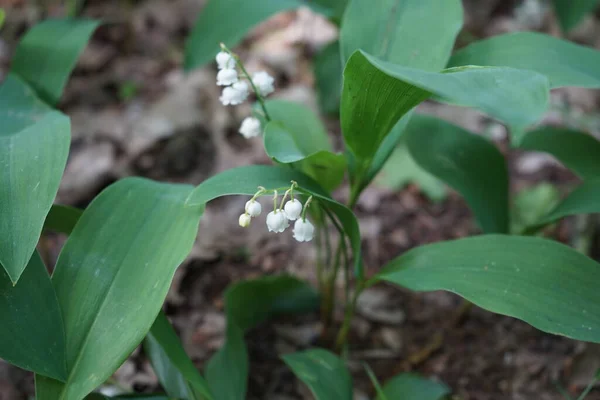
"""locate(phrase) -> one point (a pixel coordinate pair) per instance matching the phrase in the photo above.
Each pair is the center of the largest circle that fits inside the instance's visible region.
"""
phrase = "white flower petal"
(253, 208)
(244, 220)
(293, 209)
(303, 230)
(264, 83)
(226, 77)
(224, 60)
(250, 127)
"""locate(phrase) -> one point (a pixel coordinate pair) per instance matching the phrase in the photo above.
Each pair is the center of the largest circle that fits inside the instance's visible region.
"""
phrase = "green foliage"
(467, 162)
(48, 52)
(2, 17)
(175, 371)
(410, 386)
(62, 219)
(110, 291)
(578, 151)
(34, 143)
(539, 281)
(31, 334)
(530, 205)
(323, 372)
(570, 12)
(563, 63)
(582, 200)
(328, 76)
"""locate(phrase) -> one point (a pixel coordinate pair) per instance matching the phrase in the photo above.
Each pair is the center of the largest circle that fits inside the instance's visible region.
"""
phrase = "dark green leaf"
(98, 396)
(376, 103)
(469, 163)
(328, 70)
(542, 282)
(48, 52)
(227, 21)
(62, 218)
(405, 32)
(34, 144)
(563, 62)
(176, 372)
(585, 199)
(113, 274)
(576, 150)
(570, 12)
(325, 167)
(245, 180)
(31, 333)
(227, 371)
(323, 372)
(409, 386)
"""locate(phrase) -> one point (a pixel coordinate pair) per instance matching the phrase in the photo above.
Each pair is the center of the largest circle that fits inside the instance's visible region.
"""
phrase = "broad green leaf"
(585, 199)
(174, 369)
(530, 205)
(62, 218)
(563, 62)
(31, 333)
(401, 170)
(48, 53)
(570, 12)
(248, 304)
(98, 396)
(334, 9)
(34, 144)
(227, 21)
(2, 17)
(245, 181)
(113, 274)
(470, 164)
(323, 372)
(323, 166)
(542, 282)
(408, 386)
(328, 71)
(578, 151)
(376, 103)
(412, 33)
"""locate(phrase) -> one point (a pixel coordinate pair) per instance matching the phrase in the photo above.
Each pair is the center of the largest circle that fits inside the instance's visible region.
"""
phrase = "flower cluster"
(236, 90)
(279, 219)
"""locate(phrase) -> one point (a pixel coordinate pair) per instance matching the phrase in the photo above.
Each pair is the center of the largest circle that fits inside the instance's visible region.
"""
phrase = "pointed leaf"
(227, 371)
(323, 372)
(176, 372)
(576, 150)
(245, 180)
(410, 386)
(62, 219)
(542, 282)
(129, 240)
(468, 163)
(531, 204)
(48, 53)
(585, 199)
(31, 333)
(571, 12)
(34, 144)
(563, 62)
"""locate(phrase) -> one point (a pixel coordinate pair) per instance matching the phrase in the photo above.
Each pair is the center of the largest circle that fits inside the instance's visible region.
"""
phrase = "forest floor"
(135, 112)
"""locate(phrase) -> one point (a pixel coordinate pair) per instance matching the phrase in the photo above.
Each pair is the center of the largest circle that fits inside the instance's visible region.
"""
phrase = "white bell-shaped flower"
(227, 76)
(250, 127)
(277, 221)
(225, 60)
(264, 83)
(235, 94)
(244, 220)
(303, 230)
(253, 208)
(293, 209)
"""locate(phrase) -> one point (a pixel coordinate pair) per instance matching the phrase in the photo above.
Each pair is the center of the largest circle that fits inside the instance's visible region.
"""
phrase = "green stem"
(342, 337)
(259, 97)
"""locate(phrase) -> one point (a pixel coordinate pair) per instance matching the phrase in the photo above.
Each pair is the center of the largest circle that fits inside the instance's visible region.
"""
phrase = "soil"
(130, 81)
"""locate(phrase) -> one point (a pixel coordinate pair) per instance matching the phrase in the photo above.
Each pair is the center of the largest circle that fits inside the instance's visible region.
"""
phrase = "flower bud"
(227, 76)
(293, 209)
(277, 221)
(224, 60)
(303, 230)
(250, 127)
(244, 220)
(253, 208)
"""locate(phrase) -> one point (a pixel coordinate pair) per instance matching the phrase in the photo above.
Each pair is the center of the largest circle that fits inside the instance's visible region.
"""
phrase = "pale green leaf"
(34, 144)
(469, 163)
(563, 62)
(585, 199)
(323, 372)
(113, 274)
(542, 282)
(531, 204)
(31, 333)
(409, 386)
(48, 52)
